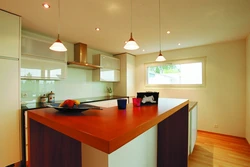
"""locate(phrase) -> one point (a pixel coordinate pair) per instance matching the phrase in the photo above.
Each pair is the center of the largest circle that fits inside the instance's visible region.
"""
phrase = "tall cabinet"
(10, 149)
(126, 86)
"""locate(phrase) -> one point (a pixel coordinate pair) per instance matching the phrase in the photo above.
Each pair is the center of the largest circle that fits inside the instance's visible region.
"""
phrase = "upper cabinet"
(39, 62)
(108, 62)
(110, 68)
(10, 33)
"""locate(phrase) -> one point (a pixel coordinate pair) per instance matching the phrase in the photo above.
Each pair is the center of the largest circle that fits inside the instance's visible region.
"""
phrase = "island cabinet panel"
(50, 148)
(172, 150)
(146, 136)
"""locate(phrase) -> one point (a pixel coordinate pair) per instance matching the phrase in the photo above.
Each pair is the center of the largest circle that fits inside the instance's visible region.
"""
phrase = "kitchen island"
(111, 137)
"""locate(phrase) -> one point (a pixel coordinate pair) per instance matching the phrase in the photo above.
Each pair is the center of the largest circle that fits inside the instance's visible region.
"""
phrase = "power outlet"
(216, 126)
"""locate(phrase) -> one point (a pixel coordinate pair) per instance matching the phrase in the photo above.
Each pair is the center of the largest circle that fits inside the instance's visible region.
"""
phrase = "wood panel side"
(172, 147)
(50, 148)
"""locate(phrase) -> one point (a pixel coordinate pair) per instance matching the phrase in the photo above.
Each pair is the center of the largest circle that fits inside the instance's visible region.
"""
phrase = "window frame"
(178, 61)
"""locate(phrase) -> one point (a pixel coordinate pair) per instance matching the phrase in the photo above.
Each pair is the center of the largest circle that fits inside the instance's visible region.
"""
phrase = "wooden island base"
(51, 148)
(163, 129)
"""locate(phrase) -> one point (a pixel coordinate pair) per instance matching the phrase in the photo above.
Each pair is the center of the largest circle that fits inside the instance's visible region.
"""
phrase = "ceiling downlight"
(46, 5)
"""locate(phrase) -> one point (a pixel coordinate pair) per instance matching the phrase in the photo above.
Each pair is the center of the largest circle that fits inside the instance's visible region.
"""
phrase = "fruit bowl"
(75, 108)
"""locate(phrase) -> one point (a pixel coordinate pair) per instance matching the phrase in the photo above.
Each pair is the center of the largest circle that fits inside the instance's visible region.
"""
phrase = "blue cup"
(122, 103)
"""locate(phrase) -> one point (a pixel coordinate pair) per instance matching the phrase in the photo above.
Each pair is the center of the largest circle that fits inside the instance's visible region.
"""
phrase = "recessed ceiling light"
(168, 32)
(143, 50)
(46, 6)
(97, 29)
(179, 44)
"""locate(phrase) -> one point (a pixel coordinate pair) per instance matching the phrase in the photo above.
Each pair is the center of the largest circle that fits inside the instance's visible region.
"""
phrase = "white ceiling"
(191, 22)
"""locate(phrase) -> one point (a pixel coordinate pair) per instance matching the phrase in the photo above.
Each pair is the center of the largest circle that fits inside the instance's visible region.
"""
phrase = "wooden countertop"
(110, 128)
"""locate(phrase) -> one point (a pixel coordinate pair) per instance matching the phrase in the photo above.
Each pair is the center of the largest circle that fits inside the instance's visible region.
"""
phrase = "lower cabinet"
(26, 134)
(192, 128)
(106, 103)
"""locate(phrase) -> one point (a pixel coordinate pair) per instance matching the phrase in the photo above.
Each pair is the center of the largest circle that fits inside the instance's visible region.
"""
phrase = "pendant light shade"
(58, 45)
(160, 57)
(131, 44)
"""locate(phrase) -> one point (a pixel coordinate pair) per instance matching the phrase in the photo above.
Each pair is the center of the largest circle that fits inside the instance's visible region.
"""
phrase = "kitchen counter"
(38, 105)
(109, 129)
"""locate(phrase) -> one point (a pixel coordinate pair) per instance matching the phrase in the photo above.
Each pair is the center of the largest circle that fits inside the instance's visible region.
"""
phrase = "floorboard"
(215, 150)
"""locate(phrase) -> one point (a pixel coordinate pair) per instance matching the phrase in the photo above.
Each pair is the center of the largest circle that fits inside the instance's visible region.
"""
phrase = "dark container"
(122, 103)
(148, 98)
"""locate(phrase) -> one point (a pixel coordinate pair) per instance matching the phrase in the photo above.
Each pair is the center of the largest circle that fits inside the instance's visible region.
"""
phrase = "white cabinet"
(99, 103)
(34, 68)
(105, 103)
(10, 35)
(110, 71)
(26, 134)
(192, 128)
(107, 62)
(10, 89)
(112, 103)
(39, 62)
(126, 86)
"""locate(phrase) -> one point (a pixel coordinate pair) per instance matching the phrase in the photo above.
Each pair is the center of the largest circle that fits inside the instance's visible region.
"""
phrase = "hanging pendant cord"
(58, 18)
(160, 25)
(131, 16)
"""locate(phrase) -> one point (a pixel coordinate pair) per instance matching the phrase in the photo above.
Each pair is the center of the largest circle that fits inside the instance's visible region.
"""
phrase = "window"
(29, 72)
(181, 73)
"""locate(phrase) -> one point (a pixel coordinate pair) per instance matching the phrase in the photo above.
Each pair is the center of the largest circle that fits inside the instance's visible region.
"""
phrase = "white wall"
(223, 100)
(248, 89)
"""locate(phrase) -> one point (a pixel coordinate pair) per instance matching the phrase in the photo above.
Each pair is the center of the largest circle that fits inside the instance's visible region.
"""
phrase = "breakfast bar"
(145, 136)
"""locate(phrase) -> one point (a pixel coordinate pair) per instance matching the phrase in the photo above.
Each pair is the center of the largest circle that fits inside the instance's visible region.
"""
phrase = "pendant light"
(58, 45)
(160, 57)
(131, 44)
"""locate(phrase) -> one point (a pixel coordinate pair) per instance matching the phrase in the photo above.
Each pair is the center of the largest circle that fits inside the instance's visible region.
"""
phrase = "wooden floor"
(214, 150)
(219, 151)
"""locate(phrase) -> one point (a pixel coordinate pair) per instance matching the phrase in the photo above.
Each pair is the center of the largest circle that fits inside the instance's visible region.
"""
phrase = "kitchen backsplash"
(78, 84)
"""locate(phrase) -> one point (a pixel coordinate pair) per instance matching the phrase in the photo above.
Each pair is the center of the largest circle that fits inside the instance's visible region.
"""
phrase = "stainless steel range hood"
(80, 58)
